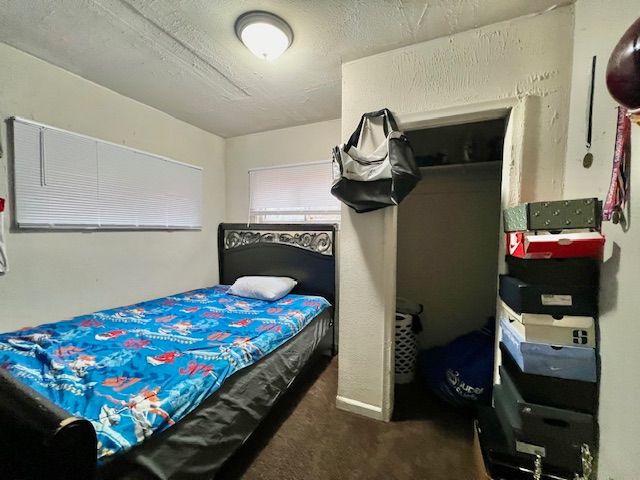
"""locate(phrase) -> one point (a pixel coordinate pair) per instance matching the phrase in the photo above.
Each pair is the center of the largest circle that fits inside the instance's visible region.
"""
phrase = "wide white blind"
(66, 180)
(293, 193)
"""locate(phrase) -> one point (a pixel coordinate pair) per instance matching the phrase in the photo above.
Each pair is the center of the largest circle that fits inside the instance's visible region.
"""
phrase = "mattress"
(197, 446)
(136, 371)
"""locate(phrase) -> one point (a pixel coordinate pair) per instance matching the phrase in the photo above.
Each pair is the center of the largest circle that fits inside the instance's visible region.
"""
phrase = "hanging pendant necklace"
(587, 161)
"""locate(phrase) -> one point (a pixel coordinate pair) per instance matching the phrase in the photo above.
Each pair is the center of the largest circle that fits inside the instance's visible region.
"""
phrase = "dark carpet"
(307, 438)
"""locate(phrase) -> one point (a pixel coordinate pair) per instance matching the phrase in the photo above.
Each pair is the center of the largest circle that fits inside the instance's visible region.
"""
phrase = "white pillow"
(262, 288)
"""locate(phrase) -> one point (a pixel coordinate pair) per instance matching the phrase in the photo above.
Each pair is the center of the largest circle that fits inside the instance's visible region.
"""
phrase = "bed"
(169, 388)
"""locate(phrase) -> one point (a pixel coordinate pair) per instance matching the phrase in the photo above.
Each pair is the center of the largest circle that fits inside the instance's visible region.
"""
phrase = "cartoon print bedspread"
(136, 370)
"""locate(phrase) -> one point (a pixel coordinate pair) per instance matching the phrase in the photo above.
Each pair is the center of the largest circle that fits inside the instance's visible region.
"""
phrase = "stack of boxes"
(545, 402)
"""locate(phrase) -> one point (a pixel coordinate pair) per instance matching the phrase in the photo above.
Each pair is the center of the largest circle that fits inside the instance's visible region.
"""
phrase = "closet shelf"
(463, 166)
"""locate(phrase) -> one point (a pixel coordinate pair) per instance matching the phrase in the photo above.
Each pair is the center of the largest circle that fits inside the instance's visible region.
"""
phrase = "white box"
(555, 330)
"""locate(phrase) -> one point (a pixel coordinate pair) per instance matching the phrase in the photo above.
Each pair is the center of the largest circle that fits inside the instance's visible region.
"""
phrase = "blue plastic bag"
(461, 372)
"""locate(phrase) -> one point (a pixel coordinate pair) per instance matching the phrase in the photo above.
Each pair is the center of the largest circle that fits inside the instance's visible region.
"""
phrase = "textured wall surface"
(599, 25)
(526, 56)
(55, 275)
(305, 143)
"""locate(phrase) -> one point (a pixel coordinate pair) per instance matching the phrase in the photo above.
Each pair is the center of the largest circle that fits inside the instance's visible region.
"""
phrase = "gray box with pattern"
(556, 215)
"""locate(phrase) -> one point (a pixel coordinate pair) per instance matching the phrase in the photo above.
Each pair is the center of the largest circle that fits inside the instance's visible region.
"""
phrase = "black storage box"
(555, 271)
(523, 297)
(560, 432)
(555, 392)
(500, 457)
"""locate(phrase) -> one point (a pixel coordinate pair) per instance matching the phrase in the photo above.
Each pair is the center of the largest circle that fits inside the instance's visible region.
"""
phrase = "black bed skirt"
(197, 446)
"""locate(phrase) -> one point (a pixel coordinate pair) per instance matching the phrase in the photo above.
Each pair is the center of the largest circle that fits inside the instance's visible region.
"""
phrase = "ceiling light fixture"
(266, 35)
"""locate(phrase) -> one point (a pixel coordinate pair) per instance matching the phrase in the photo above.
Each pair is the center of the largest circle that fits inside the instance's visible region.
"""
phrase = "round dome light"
(266, 35)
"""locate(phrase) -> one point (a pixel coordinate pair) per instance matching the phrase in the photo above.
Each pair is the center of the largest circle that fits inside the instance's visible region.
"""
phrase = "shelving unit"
(545, 397)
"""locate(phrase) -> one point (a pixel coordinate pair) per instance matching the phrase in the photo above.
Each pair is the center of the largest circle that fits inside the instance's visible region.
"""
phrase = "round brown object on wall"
(623, 69)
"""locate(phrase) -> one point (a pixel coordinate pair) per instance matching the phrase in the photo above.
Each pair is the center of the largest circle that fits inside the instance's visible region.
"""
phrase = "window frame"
(281, 216)
(177, 199)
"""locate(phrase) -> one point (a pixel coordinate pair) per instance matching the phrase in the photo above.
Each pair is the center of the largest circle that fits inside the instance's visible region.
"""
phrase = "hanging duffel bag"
(370, 181)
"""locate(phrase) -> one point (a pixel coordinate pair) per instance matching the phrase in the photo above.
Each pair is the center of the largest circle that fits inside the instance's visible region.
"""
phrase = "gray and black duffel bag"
(382, 178)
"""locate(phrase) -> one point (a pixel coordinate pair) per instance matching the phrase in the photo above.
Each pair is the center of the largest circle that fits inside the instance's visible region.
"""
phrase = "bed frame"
(306, 252)
(40, 440)
(303, 252)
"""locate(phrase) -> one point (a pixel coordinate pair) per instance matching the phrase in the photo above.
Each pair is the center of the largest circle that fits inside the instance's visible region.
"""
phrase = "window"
(293, 194)
(66, 180)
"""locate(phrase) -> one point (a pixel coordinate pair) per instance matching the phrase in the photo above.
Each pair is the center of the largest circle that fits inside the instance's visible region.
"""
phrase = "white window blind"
(66, 180)
(293, 193)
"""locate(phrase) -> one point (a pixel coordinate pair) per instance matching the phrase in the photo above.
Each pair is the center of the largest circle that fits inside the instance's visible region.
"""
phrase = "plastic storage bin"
(524, 297)
(556, 330)
(552, 391)
(560, 361)
(559, 433)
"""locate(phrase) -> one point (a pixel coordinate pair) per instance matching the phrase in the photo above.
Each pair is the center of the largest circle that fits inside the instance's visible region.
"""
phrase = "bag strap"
(617, 195)
(390, 121)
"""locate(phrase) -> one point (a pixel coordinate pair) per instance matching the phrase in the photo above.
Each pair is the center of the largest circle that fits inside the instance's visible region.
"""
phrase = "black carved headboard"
(303, 252)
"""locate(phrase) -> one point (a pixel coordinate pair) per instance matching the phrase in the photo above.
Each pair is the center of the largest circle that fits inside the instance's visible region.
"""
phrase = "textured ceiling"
(182, 56)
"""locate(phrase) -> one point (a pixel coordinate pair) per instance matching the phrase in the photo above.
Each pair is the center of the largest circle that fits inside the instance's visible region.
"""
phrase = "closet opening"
(448, 256)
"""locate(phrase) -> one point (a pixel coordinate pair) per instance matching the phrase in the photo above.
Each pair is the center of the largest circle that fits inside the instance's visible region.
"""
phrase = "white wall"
(448, 249)
(55, 275)
(306, 143)
(526, 56)
(599, 24)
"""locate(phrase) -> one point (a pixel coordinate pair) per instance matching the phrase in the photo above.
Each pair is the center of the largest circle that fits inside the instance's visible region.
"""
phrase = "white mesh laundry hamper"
(405, 348)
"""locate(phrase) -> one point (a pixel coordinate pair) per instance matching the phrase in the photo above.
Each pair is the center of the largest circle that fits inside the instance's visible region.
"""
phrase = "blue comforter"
(136, 370)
